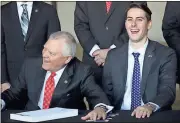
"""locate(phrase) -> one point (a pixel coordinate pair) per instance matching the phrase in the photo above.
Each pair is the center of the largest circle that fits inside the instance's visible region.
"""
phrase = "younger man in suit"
(58, 80)
(141, 75)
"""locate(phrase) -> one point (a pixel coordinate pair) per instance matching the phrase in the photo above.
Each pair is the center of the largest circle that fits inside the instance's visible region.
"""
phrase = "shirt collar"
(59, 71)
(29, 4)
(140, 50)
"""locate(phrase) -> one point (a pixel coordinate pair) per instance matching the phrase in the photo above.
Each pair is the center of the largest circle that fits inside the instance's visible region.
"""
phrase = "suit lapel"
(122, 71)
(149, 59)
(101, 7)
(63, 83)
(112, 8)
(36, 10)
(15, 20)
(39, 79)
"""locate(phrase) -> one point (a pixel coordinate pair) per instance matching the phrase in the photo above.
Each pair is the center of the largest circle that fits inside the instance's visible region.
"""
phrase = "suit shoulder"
(80, 66)
(5, 6)
(37, 61)
(162, 48)
(46, 5)
(114, 52)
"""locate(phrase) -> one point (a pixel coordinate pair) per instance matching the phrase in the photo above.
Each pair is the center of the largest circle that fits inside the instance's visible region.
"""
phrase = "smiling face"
(137, 25)
(53, 60)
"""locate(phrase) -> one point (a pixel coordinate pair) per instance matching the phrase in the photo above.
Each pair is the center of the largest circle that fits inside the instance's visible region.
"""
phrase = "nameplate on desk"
(44, 115)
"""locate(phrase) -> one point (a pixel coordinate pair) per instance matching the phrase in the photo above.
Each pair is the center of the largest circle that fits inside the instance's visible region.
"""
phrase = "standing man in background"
(99, 27)
(25, 28)
(171, 30)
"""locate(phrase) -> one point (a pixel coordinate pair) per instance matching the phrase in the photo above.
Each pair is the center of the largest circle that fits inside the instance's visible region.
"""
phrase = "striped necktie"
(24, 20)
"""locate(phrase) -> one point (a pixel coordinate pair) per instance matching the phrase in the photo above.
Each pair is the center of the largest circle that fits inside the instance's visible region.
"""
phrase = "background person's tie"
(108, 6)
(24, 20)
(48, 92)
(136, 93)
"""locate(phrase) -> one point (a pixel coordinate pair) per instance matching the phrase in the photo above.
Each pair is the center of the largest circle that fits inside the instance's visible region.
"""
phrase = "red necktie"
(48, 92)
(108, 6)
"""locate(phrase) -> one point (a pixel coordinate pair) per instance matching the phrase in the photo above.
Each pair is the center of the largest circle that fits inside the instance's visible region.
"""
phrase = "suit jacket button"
(25, 49)
(107, 28)
(68, 95)
(65, 81)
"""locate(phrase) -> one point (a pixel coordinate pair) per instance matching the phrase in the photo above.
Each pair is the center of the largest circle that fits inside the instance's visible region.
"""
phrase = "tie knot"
(136, 55)
(108, 2)
(53, 74)
(24, 6)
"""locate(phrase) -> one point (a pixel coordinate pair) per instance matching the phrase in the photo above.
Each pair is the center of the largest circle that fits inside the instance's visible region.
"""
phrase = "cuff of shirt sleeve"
(112, 46)
(95, 47)
(2, 104)
(157, 107)
(107, 107)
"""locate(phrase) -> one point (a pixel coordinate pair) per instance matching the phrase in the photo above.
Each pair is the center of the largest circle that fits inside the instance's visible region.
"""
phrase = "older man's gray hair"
(70, 46)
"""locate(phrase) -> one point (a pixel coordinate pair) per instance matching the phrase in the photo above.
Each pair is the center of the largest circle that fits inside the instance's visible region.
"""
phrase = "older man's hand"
(5, 86)
(142, 111)
(97, 114)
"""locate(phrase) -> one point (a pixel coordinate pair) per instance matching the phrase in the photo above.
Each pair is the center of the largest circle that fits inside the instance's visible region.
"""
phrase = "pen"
(23, 114)
(97, 120)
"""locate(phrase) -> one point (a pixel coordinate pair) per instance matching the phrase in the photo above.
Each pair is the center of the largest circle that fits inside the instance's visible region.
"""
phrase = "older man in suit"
(25, 27)
(99, 27)
(171, 29)
(58, 80)
(141, 75)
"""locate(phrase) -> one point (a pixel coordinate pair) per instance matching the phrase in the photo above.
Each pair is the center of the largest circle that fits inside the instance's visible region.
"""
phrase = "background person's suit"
(171, 29)
(93, 25)
(43, 21)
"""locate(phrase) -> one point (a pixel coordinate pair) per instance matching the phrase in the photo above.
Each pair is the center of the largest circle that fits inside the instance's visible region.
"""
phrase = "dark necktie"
(24, 20)
(136, 93)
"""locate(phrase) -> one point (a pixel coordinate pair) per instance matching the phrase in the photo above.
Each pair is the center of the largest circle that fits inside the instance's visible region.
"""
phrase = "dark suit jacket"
(171, 29)
(93, 26)
(80, 83)
(158, 76)
(14, 49)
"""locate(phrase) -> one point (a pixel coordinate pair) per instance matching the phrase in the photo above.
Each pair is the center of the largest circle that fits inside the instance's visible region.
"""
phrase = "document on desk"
(44, 114)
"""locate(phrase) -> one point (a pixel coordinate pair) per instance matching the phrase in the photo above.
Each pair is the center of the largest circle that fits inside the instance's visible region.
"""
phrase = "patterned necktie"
(136, 93)
(49, 89)
(108, 6)
(24, 20)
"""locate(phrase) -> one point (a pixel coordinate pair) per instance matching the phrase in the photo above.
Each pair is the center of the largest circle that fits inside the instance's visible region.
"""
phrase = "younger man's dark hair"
(143, 7)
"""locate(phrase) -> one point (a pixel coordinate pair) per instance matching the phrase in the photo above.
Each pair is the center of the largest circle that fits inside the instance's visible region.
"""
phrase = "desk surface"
(124, 116)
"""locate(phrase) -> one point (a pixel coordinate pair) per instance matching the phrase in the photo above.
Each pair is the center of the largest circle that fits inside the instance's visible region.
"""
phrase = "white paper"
(44, 114)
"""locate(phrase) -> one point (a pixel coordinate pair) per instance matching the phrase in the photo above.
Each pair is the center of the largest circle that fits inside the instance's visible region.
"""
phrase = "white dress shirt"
(20, 9)
(126, 105)
(56, 79)
(96, 47)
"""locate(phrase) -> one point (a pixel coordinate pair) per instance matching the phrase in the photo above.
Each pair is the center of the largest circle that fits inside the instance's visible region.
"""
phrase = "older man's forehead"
(53, 46)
